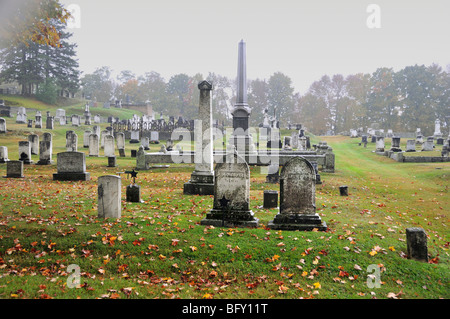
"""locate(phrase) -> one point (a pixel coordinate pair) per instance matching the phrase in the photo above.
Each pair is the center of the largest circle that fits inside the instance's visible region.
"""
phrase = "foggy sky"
(302, 39)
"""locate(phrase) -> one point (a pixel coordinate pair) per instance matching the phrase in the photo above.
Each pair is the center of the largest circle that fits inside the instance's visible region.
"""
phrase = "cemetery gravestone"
(45, 150)
(120, 141)
(71, 166)
(231, 207)
(93, 145)
(49, 123)
(34, 143)
(2, 125)
(109, 196)
(3, 154)
(416, 240)
(71, 141)
(380, 144)
(395, 144)
(428, 145)
(25, 152)
(410, 146)
(297, 198)
(270, 199)
(109, 150)
(14, 169)
(86, 138)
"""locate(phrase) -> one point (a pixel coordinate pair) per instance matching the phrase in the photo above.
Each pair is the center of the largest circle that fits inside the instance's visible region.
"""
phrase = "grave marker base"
(235, 218)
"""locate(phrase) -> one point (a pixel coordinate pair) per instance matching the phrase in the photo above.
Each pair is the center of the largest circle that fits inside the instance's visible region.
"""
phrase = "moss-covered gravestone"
(297, 198)
(231, 206)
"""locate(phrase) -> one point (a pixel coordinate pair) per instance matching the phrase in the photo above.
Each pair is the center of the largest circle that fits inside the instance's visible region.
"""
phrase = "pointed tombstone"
(34, 143)
(241, 138)
(297, 198)
(109, 196)
(25, 152)
(93, 145)
(45, 150)
(231, 207)
(202, 178)
(109, 150)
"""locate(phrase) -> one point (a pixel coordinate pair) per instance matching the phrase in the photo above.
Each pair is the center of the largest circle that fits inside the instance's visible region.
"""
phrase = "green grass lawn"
(158, 249)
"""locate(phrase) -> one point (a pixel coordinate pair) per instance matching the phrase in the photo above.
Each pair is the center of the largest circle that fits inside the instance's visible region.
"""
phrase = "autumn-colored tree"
(25, 21)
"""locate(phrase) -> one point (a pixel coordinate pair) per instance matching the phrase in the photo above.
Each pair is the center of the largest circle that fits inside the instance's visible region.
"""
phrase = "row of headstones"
(44, 147)
(427, 145)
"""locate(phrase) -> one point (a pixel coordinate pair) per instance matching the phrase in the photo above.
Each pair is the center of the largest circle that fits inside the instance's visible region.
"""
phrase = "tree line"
(403, 101)
(36, 52)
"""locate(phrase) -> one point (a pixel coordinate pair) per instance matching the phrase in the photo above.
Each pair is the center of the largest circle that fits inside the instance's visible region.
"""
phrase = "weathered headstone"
(410, 145)
(145, 142)
(45, 150)
(343, 190)
(71, 141)
(102, 138)
(38, 120)
(75, 120)
(25, 152)
(86, 138)
(109, 196)
(428, 145)
(379, 147)
(154, 136)
(437, 128)
(109, 150)
(270, 199)
(14, 169)
(134, 138)
(112, 161)
(395, 144)
(93, 145)
(49, 124)
(71, 166)
(34, 143)
(3, 154)
(2, 125)
(416, 241)
(231, 206)
(297, 198)
(120, 142)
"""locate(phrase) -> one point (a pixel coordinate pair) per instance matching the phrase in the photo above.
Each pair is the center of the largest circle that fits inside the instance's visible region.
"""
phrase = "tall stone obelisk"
(241, 138)
(202, 178)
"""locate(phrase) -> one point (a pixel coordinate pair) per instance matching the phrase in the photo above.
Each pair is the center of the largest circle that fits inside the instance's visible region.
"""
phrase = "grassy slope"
(158, 248)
